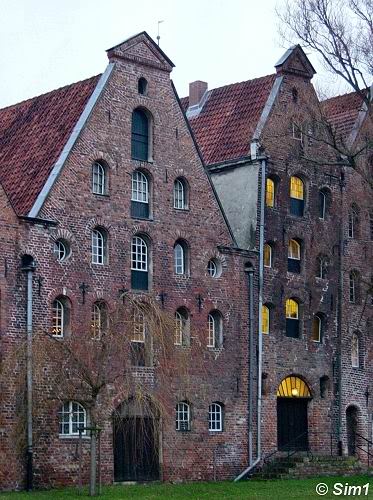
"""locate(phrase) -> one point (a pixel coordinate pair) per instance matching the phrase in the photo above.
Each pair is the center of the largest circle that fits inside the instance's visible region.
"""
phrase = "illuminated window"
(72, 417)
(316, 328)
(294, 256)
(270, 193)
(267, 257)
(292, 318)
(293, 387)
(183, 416)
(265, 319)
(296, 196)
(355, 350)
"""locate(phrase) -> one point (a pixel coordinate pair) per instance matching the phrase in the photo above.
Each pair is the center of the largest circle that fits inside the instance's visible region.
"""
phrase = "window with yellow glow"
(296, 188)
(265, 319)
(294, 250)
(316, 328)
(293, 387)
(292, 309)
(270, 193)
(267, 257)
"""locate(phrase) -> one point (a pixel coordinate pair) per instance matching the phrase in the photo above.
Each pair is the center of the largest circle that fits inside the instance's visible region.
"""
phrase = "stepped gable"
(224, 127)
(33, 134)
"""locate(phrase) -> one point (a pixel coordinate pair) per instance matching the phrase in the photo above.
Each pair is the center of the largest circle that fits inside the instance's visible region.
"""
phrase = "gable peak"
(296, 62)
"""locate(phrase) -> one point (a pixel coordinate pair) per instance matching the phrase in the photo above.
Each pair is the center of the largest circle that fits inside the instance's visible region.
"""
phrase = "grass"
(301, 489)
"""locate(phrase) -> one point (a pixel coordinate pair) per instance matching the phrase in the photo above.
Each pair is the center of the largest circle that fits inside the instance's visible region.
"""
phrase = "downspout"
(28, 266)
(249, 270)
(339, 324)
(252, 464)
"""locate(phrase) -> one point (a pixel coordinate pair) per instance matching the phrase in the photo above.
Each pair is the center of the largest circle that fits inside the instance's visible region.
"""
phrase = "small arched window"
(181, 258)
(61, 317)
(323, 203)
(139, 264)
(215, 329)
(296, 196)
(99, 319)
(294, 250)
(140, 195)
(216, 417)
(180, 194)
(267, 255)
(265, 319)
(354, 287)
(270, 192)
(353, 221)
(183, 416)
(142, 86)
(99, 246)
(321, 267)
(99, 181)
(355, 350)
(140, 135)
(61, 249)
(317, 328)
(292, 318)
(72, 417)
(182, 327)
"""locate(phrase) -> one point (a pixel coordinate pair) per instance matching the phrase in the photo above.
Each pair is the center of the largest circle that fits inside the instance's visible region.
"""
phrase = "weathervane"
(158, 36)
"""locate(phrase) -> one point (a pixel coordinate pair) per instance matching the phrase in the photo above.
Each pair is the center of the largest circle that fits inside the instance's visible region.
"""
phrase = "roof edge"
(268, 107)
(58, 166)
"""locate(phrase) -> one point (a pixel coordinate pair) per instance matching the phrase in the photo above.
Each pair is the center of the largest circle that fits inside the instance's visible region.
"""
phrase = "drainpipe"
(260, 339)
(249, 270)
(28, 266)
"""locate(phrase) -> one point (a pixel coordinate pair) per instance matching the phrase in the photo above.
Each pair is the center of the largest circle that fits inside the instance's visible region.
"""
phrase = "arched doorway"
(351, 423)
(293, 395)
(136, 441)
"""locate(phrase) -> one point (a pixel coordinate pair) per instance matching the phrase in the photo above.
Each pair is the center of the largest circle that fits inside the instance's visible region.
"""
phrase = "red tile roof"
(33, 133)
(224, 128)
(342, 112)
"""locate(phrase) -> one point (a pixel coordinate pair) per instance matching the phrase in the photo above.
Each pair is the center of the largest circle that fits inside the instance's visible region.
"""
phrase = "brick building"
(116, 192)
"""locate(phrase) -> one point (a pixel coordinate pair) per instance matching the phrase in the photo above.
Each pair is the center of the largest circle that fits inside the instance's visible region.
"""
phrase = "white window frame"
(98, 178)
(72, 410)
(139, 327)
(139, 254)
(211, 340)
(291, 255)
(179, 259)
(97, 319)
(139, 187)
(58, 322)
(215, 417)
(98, 247)
(215, 329)
(182, 416)
(179, 195)
(212, 268)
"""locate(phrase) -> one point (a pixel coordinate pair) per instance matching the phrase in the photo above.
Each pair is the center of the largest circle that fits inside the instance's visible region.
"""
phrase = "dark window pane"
(138, 354)
(140, 210)
(140, 135)
(292, 328)
(139, 280)
(296, 207)
(294, 266)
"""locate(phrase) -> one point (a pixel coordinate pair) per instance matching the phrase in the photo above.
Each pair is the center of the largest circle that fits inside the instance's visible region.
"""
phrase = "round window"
(214, 268)
(61, 249)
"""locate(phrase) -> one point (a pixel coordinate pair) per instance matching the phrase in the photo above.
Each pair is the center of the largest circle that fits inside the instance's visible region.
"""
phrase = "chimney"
(197, 90)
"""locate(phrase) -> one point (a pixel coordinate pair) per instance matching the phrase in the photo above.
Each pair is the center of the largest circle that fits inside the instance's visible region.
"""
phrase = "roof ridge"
(49, 92)
(354, 92)
(243, 81)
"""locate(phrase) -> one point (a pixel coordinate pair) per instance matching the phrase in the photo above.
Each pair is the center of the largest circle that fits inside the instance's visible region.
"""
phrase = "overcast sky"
(45, 44)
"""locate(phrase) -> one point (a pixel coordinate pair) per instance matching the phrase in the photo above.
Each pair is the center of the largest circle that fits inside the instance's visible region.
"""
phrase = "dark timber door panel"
(135, 449)
(292, 422)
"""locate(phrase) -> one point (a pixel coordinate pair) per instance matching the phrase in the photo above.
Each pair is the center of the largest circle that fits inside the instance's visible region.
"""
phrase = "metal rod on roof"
(159, 36)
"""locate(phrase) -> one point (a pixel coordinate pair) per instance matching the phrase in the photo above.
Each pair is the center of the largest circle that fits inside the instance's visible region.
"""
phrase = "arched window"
(180, 194)
(296, 196)
(323, 203)
(267, 255)
(293, 387)
(138, 354)
(72, 417)
(99, 319)
(321, 267)
(181, 264)
(215, 329)
(355, 350)
(216, 417)
(140, 195)
(139, 264)
(60, 317)
(317, 328)
(292, 318)
(270, 192)
(354, 287)
(61, 249)
(265, 319)
(142, 86)
(99, 244)
(140, 135)
(183, 416)
(294, 256)
(99, 181)
(353, 221)
(182, 327)
(214, 268)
